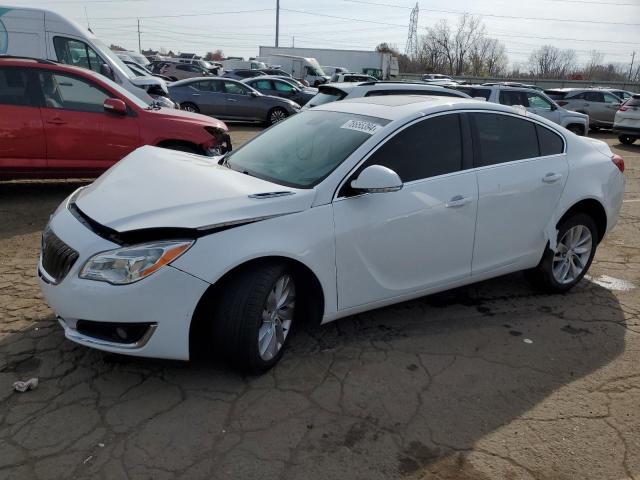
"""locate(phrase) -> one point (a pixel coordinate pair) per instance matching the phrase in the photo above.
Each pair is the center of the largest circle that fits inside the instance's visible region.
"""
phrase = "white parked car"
(534, 101)
(340, 209)
(627, 121)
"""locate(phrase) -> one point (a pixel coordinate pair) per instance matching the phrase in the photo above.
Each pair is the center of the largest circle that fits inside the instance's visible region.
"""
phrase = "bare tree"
(595, 61)
(551, 62)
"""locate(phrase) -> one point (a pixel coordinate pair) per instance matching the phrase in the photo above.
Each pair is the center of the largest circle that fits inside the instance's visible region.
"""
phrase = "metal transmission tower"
(411, 48)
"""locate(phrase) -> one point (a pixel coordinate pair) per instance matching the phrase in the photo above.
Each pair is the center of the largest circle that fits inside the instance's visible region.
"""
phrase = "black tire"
(542, 276)
(275, 115)
(180, 147)
(577, 129)
(238, 316)
(189, 107)
(594, 129)
(626, 139)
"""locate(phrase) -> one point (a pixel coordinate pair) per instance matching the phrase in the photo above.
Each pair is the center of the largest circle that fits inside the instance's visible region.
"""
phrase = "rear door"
(80, 135)
(595, 106)
(611, 105)
(239, 104)
(22, 141)
(542, 106)
(209, 95)
(521, 170)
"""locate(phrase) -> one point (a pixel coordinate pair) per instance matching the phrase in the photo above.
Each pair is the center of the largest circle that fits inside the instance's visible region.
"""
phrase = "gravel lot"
(492, 381)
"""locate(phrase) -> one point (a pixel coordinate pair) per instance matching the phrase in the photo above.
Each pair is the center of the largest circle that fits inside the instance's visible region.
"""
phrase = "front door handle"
(57, 121)
(458, 201)
(231, 100)
(195, 94)
(551, 177)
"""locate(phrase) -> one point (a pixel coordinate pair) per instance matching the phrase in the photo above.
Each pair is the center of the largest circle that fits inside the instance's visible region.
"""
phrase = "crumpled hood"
(158, 188)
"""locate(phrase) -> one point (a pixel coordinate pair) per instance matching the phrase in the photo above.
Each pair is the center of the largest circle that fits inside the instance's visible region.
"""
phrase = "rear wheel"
(189, 107)
(594, 129)
(626, 139)
(276, 115)
(559, 271)
(254, 316)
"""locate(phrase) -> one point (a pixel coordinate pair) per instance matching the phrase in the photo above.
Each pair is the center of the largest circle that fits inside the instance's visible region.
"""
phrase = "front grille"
(57, 256)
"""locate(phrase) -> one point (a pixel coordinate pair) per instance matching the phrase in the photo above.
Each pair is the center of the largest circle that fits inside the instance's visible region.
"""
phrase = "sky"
(238, 27)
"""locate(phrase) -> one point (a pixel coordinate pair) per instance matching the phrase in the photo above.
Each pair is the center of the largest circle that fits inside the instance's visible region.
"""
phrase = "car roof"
(394, 107)
(10, 61)
(185, 81)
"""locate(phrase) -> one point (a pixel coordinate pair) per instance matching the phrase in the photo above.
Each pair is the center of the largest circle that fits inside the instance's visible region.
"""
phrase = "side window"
(235, 88)
(503, 138)
(550, 143)
(71, 93)
(537, 101)
(17, 87)
(75, 52)
(426, 149)
(480, 92)
(608, 98)
(508, 97)
(184, 68)
(283, 87)
(262, 85)
(594, 97)
(207, 86)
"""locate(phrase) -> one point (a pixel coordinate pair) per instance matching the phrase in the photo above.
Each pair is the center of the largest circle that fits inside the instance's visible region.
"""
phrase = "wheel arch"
(591, 207)
(311, 288)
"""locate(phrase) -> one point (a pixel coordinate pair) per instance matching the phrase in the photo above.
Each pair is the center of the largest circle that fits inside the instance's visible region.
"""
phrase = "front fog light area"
(130, 264)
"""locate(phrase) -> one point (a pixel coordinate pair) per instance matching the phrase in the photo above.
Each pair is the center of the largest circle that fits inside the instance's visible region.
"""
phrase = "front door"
(239, 103)
(542, 106)
(22, 142)
(521, 172)
(80, 135)
(400, 243)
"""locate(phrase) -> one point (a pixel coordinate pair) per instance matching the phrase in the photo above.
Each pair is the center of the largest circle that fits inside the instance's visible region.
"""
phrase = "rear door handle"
(195, 94)
(458, 201)
(551, 177)
(57, 121)
(231, 100)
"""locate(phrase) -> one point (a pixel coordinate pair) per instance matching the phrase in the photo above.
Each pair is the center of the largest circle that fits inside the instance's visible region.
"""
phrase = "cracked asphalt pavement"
(491, 381)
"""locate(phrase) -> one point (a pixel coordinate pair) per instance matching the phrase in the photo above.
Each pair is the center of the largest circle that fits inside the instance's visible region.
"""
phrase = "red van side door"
(22, 140)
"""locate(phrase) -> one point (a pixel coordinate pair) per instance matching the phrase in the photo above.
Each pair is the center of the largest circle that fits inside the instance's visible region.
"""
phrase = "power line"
(510, 17)
(189, 14)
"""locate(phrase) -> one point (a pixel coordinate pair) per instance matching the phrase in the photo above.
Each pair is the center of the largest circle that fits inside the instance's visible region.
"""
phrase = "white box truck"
(301, 68)
(38, 33)
(379, 64)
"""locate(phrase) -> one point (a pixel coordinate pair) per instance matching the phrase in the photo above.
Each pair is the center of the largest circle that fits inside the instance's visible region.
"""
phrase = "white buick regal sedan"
(347, 207)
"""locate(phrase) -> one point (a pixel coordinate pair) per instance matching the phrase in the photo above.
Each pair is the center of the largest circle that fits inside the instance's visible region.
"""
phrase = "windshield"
(139, 58)
(302, 150)
(106, 51)
(316, 68)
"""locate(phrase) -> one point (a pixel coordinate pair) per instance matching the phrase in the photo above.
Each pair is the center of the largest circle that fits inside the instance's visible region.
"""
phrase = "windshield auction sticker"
(362, 126)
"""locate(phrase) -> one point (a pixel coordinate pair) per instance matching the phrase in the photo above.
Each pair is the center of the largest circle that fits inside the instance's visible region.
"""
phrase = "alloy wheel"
(277, 315)
(572, 255)
(277, 116)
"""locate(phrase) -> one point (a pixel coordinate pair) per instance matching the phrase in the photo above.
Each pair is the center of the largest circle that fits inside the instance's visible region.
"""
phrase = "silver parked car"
(180, 71)
(600, 105)
(229, 99)
(277, 87)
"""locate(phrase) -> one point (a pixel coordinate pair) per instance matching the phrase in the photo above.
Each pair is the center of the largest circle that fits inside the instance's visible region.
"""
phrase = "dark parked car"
(229, 99)
(275, 71)
(269, 85)
(241, 73)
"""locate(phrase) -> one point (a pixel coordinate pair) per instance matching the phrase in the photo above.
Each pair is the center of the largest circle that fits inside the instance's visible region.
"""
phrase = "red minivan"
(58, 121)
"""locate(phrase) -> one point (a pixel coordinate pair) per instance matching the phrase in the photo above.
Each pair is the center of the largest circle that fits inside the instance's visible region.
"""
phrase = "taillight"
(561, 103)
(618, 161)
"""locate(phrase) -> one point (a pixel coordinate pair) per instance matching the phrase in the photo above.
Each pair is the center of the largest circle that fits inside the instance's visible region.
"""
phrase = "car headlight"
(130, 264)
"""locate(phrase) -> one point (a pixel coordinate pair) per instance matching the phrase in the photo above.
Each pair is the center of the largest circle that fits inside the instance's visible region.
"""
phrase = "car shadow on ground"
(405, 390)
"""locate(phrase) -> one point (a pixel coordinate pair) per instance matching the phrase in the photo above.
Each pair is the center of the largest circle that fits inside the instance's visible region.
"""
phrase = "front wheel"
(561, 270)
(254, 316)
(189, 107)
(276, 115)
(626, 139)
(577, 129)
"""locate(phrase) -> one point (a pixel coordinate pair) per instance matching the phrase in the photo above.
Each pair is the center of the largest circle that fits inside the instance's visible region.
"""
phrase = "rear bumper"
(620, 130)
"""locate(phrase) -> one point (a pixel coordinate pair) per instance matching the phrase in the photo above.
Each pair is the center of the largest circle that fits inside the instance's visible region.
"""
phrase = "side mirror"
(554, 107)
(106, 71)
(115, 105)
(253, 94)
(377, 179)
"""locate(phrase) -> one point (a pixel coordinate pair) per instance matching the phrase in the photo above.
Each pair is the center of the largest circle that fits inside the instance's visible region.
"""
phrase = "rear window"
(555, 95)
(17, 87)
(633, 102)
(550, 143)
(504, 138)
(476, 92)
(379, 93)
(327, 95)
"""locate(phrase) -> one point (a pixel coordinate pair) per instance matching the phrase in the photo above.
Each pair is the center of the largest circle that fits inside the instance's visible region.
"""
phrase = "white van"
(301, 68)
(234, 64)
(38, 33)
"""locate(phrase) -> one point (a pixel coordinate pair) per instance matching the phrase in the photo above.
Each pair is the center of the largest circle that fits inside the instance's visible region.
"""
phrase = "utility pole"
(87, 17)
(633, 57)
(139, 42)
(277, 21)
(293, 42)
